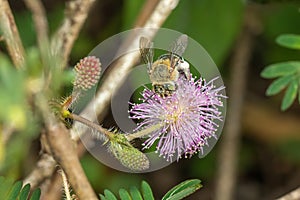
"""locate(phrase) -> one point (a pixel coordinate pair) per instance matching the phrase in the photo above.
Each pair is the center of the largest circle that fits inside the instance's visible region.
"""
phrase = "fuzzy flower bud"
(87, 72)
(129, 156)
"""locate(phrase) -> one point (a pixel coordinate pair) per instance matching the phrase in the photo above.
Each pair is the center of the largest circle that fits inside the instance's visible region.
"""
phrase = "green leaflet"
(278, 85)
(124, 195)
(36, 194)
(290, 95)
(109, 195)
(13, 191)
(291, 41)
(135, 193)
(288, 73)
(146, 191)
(281, 69)
(25, 192)
(182, 190)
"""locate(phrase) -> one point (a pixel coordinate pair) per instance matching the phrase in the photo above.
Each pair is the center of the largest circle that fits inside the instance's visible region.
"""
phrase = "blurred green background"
(269, 157)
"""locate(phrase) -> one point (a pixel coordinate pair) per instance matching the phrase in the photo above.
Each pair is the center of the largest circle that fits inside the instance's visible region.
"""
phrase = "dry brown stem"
(11, 35)
(40, 20)
(230, 141)
(65, 154)
(43, 170)
(145, 12)
(274, 126)
(76, 13)
(53, 190)
(293, 195)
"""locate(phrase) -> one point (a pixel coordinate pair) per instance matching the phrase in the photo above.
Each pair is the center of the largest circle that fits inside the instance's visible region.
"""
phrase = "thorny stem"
(90, 124)
(110, 134)
(66, 185)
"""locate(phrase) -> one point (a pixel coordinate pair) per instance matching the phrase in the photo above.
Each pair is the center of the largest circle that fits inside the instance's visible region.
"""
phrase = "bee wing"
(178, 47)
(146, 50)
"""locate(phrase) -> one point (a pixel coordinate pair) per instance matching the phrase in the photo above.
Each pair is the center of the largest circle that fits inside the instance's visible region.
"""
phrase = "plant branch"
(230, 142)
(293, 195)
(91, 124)
(145, 12)
(11, 35)
(64, 152)
(100, 129)
(43, 170)
(274, 128)
(40, 20)
(76, 13)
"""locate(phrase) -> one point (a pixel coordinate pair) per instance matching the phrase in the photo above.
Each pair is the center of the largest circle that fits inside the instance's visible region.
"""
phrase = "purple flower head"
(187, 117)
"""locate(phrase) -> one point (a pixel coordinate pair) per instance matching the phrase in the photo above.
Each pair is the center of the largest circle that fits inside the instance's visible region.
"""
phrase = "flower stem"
(91, 124)
(143, 132)
(110, 134)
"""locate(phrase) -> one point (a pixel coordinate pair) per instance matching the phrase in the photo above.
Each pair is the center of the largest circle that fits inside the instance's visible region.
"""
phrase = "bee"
(166, 70)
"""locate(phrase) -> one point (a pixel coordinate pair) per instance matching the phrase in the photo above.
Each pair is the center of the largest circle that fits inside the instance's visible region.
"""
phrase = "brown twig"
(274, 127)
(40, 20)
(293, 195)
(64, 152)
(43, 170)
(41, 26)
(11, 34)
(230, 142)
(145, 12)
(76, 13)
(53, 191)
(15, 49)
